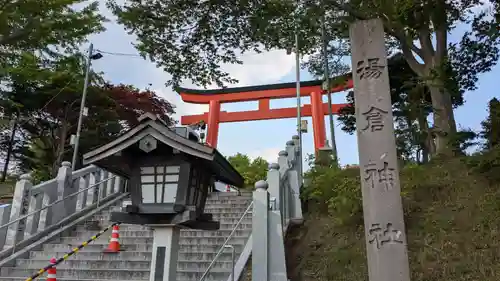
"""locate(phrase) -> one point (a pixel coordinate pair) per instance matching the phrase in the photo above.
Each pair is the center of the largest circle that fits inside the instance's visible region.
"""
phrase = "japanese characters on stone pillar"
(383, 211)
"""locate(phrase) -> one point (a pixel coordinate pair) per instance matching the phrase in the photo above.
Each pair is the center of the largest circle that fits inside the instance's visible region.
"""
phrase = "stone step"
(118, 274)
(196, 265)
(99, 248)
(228, 200)
(84, 265)
(114, 274)
(209, 278)
(57, 247)
(214, 240)
(69, 279)
(131, 255)
(231, 194)
(149, 240)
(223, 209)
(217, 216)
(149, 233)
(215, 274)
(242, 205)
(245, 224)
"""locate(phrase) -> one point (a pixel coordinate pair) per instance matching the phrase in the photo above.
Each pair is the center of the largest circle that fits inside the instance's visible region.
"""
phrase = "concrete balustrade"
(35, 209)
(276, 206)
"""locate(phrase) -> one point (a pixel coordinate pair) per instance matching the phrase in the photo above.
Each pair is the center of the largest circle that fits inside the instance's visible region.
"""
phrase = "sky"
(259, 138)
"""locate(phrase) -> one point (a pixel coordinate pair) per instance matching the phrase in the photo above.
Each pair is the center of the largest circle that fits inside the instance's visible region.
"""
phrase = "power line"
(33, 116)
(119, 54)
(139, 56)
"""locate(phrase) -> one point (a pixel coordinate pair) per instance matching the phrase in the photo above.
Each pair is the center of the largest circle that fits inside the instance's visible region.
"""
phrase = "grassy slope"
(452, 214)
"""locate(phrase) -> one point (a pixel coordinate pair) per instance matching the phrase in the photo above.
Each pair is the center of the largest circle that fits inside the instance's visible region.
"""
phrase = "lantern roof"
(151, 125)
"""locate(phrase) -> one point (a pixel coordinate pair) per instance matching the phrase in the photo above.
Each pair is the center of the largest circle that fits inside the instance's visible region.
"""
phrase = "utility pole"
(90, 57)
(297, 81)
(327, 88)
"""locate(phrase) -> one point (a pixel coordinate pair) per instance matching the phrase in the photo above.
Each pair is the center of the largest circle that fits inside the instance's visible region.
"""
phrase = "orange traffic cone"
(114, 244)
(51, 272)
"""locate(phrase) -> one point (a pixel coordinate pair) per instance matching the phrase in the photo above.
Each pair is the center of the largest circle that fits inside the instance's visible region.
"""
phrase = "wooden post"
(382, 206)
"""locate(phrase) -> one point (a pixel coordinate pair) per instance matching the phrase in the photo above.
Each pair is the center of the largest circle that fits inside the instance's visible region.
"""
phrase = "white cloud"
(268, 154)
(256, 69)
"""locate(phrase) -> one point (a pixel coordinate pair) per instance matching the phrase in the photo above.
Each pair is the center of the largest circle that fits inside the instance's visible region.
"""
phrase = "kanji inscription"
(386, 243)
(374, 119)
(380, 236)
(369, 68)
(384, 175)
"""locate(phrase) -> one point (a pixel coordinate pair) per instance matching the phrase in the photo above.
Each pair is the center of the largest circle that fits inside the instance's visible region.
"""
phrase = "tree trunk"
(63, 135)
(444, 127)
(10, 148)
(426, 141)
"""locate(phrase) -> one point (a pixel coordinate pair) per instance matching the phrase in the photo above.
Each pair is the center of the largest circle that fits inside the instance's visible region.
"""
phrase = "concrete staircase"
(198, 248)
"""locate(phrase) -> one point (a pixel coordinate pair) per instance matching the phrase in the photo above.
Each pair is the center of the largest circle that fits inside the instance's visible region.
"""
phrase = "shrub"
(336, 192)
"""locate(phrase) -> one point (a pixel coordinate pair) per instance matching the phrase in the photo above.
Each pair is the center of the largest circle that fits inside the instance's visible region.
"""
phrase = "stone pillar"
(20, 207)
(273, 181)
(295, 182)
(213, 123)
(383, 211)
(165, 253)
(65, 187)
(298, 157)
(4, 219)
(286, 197)
(260, 217)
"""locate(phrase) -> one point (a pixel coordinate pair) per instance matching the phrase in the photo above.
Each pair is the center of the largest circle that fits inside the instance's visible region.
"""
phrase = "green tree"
(192, 39)
(51, 101)
(411, 106)
(49, 26)
(251, 170)
(491, 126)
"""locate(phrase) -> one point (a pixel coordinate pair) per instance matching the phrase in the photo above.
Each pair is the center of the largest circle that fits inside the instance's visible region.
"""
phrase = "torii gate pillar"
(213, 122)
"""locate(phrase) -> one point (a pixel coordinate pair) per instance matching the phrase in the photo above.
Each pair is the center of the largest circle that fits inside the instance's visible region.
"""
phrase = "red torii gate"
(214, 98)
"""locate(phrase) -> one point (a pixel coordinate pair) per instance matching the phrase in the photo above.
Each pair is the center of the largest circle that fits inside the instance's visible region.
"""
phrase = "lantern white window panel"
(147, 170)
(171, 178)
(172, 169)
(148, 193)
(159, 184)
(170, 192)
(148, 179)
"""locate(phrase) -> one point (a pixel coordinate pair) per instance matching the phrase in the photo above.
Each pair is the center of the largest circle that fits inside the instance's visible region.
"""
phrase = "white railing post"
(83, 183)
(32, 222)
(294, 181)
(4, 219)
(260, 224)
(64, 188)
(20, 206)
(285, 200)
(93, 193)
(273, 180)
(298, 158)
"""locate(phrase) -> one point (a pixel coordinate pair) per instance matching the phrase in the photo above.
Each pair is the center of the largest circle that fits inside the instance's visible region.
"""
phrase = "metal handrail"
(55, 202)
(221, 250)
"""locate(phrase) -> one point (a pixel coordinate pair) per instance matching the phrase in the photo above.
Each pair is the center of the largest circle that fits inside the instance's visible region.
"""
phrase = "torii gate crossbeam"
(263, 94)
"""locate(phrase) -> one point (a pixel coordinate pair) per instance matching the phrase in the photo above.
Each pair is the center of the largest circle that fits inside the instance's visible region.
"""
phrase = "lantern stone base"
(186, 219)
(165, 253)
